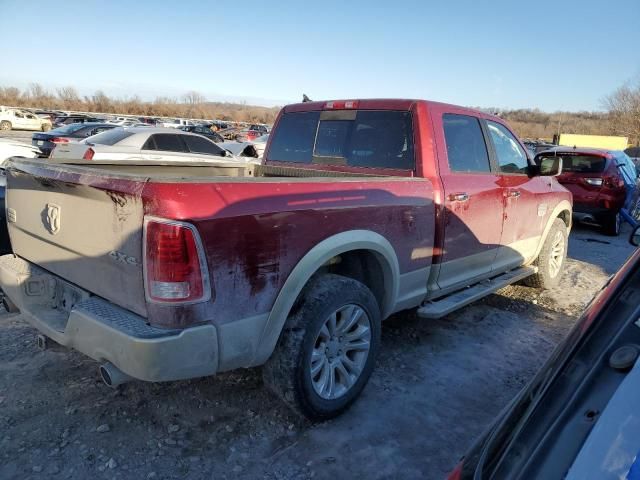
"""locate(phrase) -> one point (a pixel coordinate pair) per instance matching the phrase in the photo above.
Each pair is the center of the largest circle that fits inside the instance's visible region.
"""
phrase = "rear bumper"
(104, 331)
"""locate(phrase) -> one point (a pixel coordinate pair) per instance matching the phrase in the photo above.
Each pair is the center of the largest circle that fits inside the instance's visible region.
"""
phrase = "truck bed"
(256, 222)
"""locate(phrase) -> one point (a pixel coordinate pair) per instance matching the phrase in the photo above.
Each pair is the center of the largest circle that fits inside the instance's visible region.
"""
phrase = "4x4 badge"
(51, 218)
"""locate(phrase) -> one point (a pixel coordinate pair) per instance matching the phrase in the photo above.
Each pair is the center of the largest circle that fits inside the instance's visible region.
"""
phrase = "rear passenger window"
(294, 137)
(511, 156)
(168, 142)
(202, 145)
(466, 149)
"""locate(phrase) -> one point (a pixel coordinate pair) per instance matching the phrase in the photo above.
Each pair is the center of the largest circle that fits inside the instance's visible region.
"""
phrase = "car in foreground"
(291, 264)
(579, 418)
(147, 144)
(601, 181)
(73, 132)
(204, 131)
(16, 119)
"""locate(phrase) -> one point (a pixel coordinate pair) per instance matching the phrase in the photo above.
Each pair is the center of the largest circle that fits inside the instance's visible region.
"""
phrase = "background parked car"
(176, 123)
(204, 131)
(10, 148)
(46, 142)
(69, 119)
(253, 149)
(634, 154)
(600, 181)
(147, 144)
(578, 418)
(16, 119)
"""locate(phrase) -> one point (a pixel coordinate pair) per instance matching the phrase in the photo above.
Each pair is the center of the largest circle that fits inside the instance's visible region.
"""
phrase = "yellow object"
(593, 141)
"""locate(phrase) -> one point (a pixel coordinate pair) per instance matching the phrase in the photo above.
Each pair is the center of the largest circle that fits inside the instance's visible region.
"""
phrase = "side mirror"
(550, 166)
(634, 239)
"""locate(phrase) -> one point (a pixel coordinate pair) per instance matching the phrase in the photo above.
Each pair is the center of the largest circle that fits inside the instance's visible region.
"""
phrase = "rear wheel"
(328, 347)
(550, 261)
(611, 224)
(46, 127)
(5, 125)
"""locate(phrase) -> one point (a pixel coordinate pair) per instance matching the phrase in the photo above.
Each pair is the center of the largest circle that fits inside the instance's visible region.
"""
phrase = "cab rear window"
(369, 138)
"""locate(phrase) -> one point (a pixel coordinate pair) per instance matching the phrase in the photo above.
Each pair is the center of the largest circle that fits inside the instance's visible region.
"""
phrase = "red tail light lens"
(175, 267)
(59, 140)
(341, 104)
(88, 155)
(456, 473)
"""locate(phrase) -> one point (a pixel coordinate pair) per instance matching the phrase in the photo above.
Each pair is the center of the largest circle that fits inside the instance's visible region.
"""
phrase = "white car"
(147, 144)
(16, 119)
(177, 123)
(253, 148)
(12, 148)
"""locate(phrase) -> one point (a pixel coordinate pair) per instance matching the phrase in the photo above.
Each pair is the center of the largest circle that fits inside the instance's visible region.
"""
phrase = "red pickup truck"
(360, 209)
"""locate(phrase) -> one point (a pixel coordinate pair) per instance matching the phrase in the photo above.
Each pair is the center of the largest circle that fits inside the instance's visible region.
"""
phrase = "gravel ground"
(437, 385)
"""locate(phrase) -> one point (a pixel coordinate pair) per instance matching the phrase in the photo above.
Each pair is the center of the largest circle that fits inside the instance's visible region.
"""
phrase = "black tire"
(545, 278)
(288, 372)
(5, 125)
(611, 224)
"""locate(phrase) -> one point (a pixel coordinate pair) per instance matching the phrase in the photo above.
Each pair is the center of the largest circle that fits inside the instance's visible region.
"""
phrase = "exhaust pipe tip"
(113, 376)
(9, 306)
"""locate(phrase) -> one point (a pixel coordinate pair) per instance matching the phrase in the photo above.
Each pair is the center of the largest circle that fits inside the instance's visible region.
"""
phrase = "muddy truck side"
(360, 209)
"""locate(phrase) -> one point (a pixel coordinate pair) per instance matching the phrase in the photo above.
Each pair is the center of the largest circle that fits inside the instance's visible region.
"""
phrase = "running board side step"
(445, 305)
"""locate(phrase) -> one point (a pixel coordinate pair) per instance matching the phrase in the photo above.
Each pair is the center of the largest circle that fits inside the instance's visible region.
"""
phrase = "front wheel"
(327, 349)
(611, 224)
(550, 261)
(5, 125)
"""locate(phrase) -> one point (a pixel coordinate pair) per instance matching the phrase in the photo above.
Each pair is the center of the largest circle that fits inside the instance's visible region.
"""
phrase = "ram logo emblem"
(51, 218)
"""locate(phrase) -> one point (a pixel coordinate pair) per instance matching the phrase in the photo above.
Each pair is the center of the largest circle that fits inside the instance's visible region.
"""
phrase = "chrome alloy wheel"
(556, 256)
(340, 351)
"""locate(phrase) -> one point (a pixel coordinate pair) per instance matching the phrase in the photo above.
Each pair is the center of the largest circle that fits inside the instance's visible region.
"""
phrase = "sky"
(546, 54)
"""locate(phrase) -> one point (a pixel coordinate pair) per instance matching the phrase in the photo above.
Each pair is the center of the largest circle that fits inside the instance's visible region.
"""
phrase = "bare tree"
(623, 106)
(69, 97)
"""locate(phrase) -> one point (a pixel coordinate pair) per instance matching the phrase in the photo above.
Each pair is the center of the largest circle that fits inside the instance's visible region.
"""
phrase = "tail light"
(341, 104)
(59, 140)
(456, 473)
(88, 155)
(175, 269)
(613, 181)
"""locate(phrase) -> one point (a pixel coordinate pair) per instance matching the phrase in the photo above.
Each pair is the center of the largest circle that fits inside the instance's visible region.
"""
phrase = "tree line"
(190, 105)
(620, 115)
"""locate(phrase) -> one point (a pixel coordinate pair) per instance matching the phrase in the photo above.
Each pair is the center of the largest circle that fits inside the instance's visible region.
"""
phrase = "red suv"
(599, 180)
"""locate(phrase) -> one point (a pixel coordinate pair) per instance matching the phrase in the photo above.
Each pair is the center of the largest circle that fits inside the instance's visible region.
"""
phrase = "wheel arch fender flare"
(563, 206)
(309, 265)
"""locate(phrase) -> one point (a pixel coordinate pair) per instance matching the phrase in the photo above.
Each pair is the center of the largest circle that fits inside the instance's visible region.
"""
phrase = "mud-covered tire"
(611, 224)
(46, 127)
(5, 125)
(289, 374)
(552, 257)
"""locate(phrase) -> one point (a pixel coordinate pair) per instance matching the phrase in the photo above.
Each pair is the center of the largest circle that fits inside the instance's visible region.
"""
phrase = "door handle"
(513, 194)
(458, 197)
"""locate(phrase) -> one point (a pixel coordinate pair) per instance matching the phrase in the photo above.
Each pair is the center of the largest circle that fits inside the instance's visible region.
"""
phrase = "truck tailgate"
(89, 235)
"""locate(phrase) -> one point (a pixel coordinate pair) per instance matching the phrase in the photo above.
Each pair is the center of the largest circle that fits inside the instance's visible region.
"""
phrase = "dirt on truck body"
(361, 209)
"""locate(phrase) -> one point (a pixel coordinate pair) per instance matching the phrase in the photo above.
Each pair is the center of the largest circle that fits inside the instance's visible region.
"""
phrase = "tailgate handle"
(458, 197)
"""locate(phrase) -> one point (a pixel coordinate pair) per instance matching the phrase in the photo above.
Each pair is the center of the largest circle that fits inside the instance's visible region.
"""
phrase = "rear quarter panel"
(255, 232)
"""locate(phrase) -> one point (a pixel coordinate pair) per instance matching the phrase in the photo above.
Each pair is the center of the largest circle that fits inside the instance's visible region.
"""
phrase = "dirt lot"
(437, 385)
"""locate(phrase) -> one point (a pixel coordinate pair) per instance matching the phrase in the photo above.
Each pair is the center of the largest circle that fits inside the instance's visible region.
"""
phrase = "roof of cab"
(378, 104)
